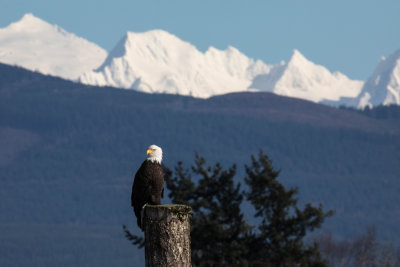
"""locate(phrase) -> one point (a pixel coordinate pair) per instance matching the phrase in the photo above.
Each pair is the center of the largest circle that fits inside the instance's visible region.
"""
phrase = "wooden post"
(167, 235)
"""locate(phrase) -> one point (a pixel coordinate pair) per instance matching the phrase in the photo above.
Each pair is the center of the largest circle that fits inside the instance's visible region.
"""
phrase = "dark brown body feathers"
(148, 187)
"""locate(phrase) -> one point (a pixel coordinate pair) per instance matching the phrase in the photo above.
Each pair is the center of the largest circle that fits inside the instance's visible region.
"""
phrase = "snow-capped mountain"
(157, 61)
(383, 86)
(302, 78)
(37, 45)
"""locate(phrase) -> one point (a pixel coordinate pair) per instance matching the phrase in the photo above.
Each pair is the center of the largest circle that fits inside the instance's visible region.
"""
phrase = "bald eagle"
(148, 185)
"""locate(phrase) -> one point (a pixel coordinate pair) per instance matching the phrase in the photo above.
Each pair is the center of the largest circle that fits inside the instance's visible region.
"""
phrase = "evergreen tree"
(278, 239)
(217, 228)
(219, 234)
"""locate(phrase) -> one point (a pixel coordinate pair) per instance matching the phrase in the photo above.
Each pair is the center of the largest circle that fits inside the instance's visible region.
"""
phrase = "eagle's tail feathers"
(141, 216)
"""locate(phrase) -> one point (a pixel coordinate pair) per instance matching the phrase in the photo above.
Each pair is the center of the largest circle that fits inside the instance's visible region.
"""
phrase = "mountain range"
(69, 151)
(69, 146)
(159, 62)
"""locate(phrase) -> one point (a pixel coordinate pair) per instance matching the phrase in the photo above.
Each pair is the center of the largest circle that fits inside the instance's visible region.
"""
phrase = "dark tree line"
(220, 234)
(365, 250)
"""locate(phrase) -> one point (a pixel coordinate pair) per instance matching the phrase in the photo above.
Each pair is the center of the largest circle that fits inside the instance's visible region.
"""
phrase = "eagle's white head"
(154, 154)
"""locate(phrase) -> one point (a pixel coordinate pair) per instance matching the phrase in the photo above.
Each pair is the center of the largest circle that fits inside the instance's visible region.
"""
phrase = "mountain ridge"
(303, 79)
(82, 144)
(383, 86)
(37, 45)
(159, 62)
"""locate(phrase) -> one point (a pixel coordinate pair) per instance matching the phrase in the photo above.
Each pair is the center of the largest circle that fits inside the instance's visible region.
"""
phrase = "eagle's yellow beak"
(149, 151)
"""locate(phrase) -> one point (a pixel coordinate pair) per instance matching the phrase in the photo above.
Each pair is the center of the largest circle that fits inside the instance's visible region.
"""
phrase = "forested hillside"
(69, 151)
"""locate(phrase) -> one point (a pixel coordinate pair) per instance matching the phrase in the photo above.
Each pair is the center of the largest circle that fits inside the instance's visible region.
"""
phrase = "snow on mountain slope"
(157, 61)
(383, 86)
(37, 45)
(301, 78)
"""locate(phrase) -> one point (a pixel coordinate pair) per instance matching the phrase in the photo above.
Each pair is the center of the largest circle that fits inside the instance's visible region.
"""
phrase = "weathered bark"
(167, 235)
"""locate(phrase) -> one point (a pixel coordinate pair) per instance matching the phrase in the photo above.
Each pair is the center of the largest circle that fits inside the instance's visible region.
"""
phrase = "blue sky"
(348, 36)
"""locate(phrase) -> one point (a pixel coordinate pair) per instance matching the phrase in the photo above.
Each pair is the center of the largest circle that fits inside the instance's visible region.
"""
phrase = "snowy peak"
(302, 78)
(157, 61)
(383, 86)
(297, 59)
(29, 21)
(155, 45)
(37, 45)
(235, 62)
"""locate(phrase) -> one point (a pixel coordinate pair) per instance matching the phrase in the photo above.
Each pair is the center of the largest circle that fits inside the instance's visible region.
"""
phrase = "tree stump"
(167, 235)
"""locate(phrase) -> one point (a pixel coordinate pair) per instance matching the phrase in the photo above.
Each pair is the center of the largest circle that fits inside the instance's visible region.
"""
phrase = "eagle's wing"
(148, 187)
(140, 191)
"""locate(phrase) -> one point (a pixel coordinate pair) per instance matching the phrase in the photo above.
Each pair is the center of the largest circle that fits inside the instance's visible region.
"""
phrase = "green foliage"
(221, 236)
(218, 228)
(279, 238)
(383, 112)
(135, 240)
(83, 144)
